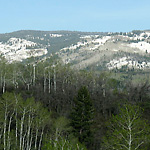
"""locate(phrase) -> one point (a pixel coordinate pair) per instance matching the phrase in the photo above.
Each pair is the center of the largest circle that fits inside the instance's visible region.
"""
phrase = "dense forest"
(49, 106)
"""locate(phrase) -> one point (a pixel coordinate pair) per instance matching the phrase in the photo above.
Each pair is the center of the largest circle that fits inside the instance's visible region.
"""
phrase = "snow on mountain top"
(98, 41)
(145, 34)
(148, 34)
(85, 37)
(102, 40)
(16, 49)
(55, 35)
(20, 42)
(89, 36)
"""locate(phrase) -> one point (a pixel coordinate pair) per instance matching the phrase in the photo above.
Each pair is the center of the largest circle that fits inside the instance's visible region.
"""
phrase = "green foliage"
(21, 122)
(127, 130)
(63, 144)
(39, 79)
(82, 116)
(60, 137)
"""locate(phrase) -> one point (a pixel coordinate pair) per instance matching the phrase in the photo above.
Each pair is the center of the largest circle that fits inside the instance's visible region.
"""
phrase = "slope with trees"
(37, 100)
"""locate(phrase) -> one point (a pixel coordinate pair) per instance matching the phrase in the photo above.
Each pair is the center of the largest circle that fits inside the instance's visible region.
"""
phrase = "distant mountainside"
(82, 50)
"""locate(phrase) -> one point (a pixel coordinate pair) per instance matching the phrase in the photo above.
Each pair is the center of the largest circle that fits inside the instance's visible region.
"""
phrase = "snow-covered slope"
(143, 46)
(16, 49)
(80, 49)
(128, 62)
(111, 51)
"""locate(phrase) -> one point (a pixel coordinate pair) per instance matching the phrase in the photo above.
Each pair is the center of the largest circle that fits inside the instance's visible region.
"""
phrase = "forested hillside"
(49, 106)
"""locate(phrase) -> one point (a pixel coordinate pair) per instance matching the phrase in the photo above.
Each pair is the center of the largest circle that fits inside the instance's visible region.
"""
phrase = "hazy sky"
(74, 15)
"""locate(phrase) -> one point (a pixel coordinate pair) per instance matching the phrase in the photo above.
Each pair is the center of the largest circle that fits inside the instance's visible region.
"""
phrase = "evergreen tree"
(82, 117)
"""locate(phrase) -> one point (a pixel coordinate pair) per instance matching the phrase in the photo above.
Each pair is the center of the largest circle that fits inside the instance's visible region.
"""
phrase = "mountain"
(82, 50)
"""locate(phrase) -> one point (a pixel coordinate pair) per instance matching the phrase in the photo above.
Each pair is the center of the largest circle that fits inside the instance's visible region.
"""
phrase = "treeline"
(38, 100)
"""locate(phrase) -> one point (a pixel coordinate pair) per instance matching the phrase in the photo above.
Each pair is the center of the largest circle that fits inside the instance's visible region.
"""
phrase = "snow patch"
(55, 35)
(100, 41)
(143, 46)
(127, 61)
(16, 49)
(89, 36)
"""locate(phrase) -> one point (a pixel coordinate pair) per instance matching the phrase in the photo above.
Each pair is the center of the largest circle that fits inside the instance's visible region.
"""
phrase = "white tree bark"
(33, 74)
(40, 142)
(5, 123)
(29, 128)
(44, 80)
(55, 79)
(9, 126)
(21, 127)
(4, 84)
(49, 82)
(36, 136)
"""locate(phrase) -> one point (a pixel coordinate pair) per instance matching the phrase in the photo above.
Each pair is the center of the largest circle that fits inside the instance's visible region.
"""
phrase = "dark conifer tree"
(82, 117)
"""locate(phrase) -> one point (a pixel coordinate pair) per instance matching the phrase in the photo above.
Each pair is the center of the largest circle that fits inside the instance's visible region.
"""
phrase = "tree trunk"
(49, 83)
(21, 128)
(8, 139)
(33, 74)
(44, 81)
(5, 123)
(55, 79)
(4, 84)
(40, 142)
(36, 136)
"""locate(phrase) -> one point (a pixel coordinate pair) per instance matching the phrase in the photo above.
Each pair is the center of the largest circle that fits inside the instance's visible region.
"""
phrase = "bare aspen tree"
(34, 66)
(54, 67)
(22, 125)
(9, 129)
(49, 81)
(45, 77)
(4, 83)
(127, 130)
(7, 112)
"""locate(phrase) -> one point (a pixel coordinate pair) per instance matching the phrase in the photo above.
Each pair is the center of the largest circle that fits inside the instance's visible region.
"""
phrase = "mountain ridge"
(83, 50)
